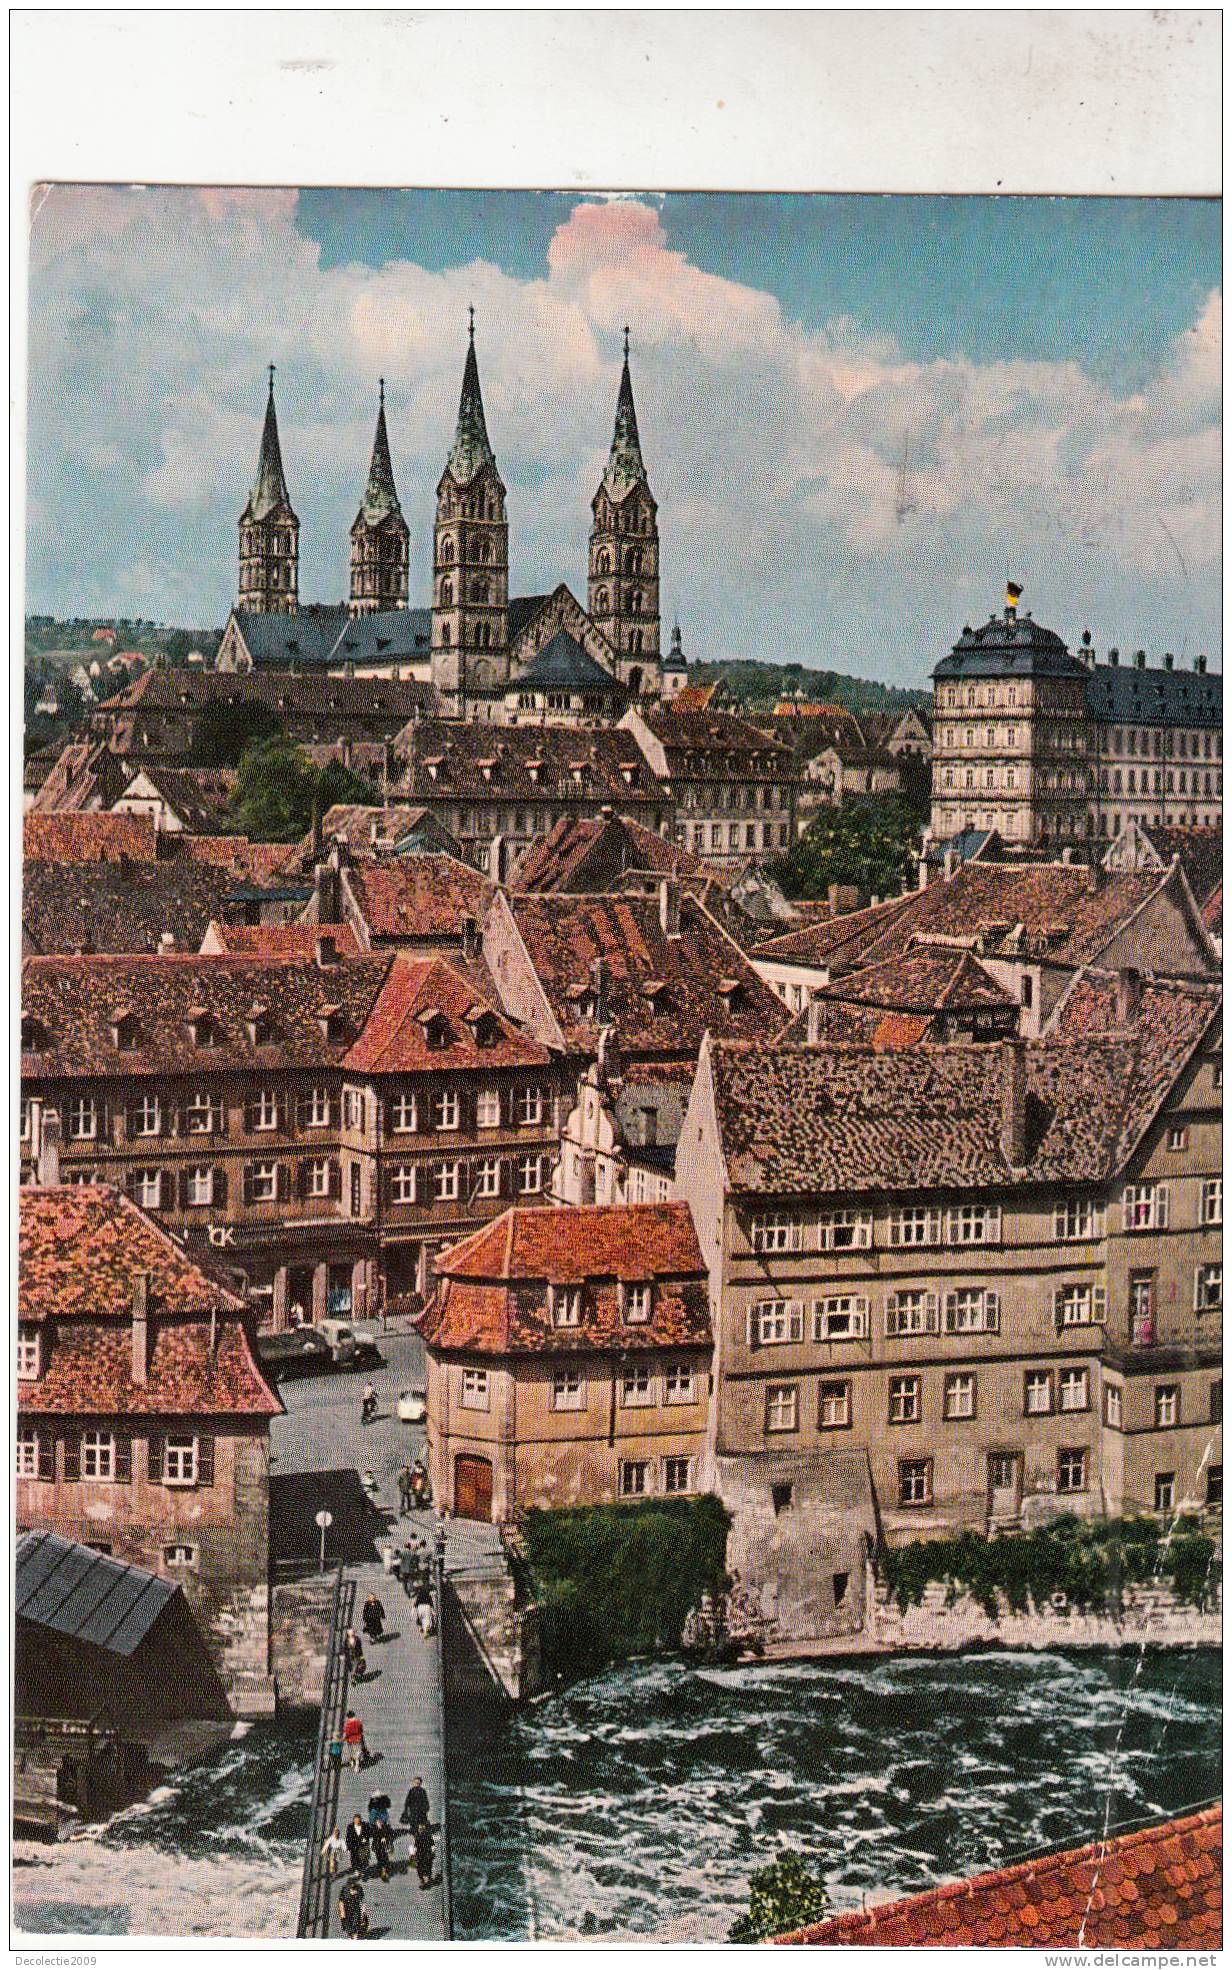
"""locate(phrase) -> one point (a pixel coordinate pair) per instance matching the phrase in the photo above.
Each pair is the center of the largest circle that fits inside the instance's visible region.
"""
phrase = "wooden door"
(472, 1488)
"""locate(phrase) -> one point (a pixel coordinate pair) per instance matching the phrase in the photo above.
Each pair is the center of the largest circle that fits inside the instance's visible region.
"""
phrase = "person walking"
(353, 1739)
(374, 1619)
(331, 1851)
(424, 1856)
(378, 1809)
(408, 1567)
(404, 1490)
(425, 1613)
(415, 1809)
(351, 1911)
(358, 1846)
(367, 1407)
(383, 1849)
(419, 1485)
(352, 1648)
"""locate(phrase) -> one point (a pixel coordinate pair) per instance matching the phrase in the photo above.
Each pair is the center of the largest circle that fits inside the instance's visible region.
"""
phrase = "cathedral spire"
(625, 466)
(470, 449)
(380, 494)
(270, 489)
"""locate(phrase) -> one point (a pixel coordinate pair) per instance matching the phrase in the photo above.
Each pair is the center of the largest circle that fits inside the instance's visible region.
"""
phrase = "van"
(348, 1345)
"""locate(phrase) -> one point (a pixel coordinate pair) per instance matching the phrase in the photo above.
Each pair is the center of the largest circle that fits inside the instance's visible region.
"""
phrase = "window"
(27, 1464)
(315, 1109)
(202, 1114)
(1212, 1200)
(29, 1354)
(774, 1322)
(912, 1311)
(915, 1227)
(1217, 1402)
(915, 1480)
(1146, 1206)
(1113, 1405)
(834, 1411)
(261, 1183)
(1078, 1217)
(777, 1231)
(474, 1388)
(1071, 1470)
(180, 1460)
(634, 1477)
(567, 1389)
(25, 1118)
(637, 1301)
(972, 1310)
(1002, 1470)
(959, 1403)
(566, 1305)
(1165, 1491)
(487, 1109)
(180, 1554)
(782, 1405)
(402, 1183)
(677, 1476)
(1037, 1392)
(98, 1454)
(487, 1177)
(1074, 1390)
(199, 1187)
(82, 1118)
(679, 1382)
(1208, 1287)
(263, 1110)
(528, 1107)
(318, 1177)
(145, 1116)
(1214, 1484)
(1167, 1405)
(845, 1231)
(530, 1175)
(147, 1188)
(904, 1399)
(445, 1182)
(1078, 1306)
(352, 1108)
(1178, 1138)
(841, 1318)
(446, 1109)
(635, 1388)
(974, 1224)
(404, 1114)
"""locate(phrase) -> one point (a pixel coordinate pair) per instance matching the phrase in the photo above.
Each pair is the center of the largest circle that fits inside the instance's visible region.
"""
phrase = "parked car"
(413, 1406)
(349, 1346)
(297, 1351)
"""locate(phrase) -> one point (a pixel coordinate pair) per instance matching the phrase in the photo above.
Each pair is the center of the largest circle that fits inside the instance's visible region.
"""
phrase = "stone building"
(269, 530)
(1158, 745)
(732, 790)
(142, 1416)
(163, 716)
(568, 1362)
(380, 537)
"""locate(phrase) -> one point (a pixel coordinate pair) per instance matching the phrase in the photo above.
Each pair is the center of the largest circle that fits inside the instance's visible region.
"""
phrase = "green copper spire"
(380, 494)
(470, 449)
(270, 490)
(625, 466)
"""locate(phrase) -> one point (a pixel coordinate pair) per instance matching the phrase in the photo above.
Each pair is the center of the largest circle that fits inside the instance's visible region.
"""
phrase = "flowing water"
(640, 1802)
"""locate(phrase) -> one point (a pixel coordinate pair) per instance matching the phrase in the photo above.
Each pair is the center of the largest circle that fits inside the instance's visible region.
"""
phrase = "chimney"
(1014, 1103)
(597, 988)
(327, 890)
(316, 831)
(1200, 666)
(45, 1132)
(669, 907)
(327, 951)
(1169, 660)
(1140, 659)
(1114, 658)
(166, 943)
(470, 938)
(814, 1021)
(498, 859)
(1128, 994)
(950, 865)
(141, 1327)
(1067, 855)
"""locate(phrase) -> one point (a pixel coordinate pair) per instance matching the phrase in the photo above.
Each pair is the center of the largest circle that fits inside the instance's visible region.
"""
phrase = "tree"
(785, 1896)
(278, 786)
(224, 730)
(868, 840)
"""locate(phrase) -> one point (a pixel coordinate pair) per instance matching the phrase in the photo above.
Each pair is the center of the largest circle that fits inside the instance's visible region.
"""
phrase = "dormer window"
(34, 1037)
(123, 1029)
(565, 1305)
(332, 1022)
(731, 991)
(487, 767)
(577, 769)
(638, 1301)
(535, 768)
(484, 1026)
(435, 1027)
(202, 1031)
(434, 766)
(628, 769)
(656, 991)
(260, 1025)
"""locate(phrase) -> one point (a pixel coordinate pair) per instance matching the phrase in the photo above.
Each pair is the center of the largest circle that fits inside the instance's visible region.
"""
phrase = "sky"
(1049, 370)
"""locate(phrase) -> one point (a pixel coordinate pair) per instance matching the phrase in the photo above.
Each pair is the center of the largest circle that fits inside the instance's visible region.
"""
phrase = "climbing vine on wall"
(1086, 1565)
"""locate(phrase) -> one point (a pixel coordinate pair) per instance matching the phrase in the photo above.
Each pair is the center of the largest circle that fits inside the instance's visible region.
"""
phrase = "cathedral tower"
(470, 577)
(269, 531)
(623, 586)
(380, 537)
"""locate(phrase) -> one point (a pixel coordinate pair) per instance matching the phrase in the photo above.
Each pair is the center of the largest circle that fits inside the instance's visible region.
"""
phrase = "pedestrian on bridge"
(353, 1738)
(383, 1850)
(331, 1851)
(359, 1846)
(425, 1613)
(351, 1911)
(378, 1809)
(374, 1619)
(415, 1809)
(424, 1856)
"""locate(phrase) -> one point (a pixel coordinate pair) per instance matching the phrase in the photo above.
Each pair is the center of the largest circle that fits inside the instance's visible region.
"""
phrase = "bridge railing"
(316, 1891)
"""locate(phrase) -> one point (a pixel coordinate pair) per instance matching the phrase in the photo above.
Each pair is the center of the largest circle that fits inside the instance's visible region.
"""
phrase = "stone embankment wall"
(1150, 1613)
(299, 1640)
(491, 1638)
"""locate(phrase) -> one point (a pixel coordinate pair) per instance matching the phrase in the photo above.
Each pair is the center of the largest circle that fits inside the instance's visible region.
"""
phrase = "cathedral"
(489, 655)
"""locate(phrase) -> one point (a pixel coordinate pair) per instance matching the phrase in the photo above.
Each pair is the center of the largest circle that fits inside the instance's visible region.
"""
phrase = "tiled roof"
(88, 837)
(1158, 1888)
(1010, 647)
(1123, 694)
(659, 992)
(391, 700)
(1164, 1015)
(1212, 911)
(519, 762)
(79, 1247)
(470, 1031)
(89, 1372)
(279, 940)
(493, 1295)
(416, 898)
(1201, 853)
(927, 978)
(705, 741)
(822, 937)
(85, 772)
(563, 665)
(796, 1119)
(696, 697)
(76, 1001)
(586, 853)
(120, 906)
(199, 795)
(258, 862)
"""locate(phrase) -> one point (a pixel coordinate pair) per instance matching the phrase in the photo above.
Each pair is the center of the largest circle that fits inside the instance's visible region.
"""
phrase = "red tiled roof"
(89, 1367)
(394, 1040)
(199, 795)
(254, 861)
(1158, 1888)
(927, 978)
(696, 697)
(1201, 853)
(589, 853)
(1212, 911)
(80, 1245)
(696, 740)
(417, 897)
(493, 1293)
(279, 940)
(88, 837)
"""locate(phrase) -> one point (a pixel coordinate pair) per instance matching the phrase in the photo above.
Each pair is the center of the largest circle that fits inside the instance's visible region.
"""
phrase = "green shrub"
(1087, 1564)
(785, 1896)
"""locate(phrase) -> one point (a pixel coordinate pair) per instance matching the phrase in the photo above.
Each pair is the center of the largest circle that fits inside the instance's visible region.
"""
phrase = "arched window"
(446, 593)
(635, 602)
(601, 602)
(446, 639)
(484, 638)
(605, 562)
(447, 549)
(635, 641)
(479, 591)
(633, 562)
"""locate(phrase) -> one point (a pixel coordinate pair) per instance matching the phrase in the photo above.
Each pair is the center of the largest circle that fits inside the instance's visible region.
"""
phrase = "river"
(639, 1803)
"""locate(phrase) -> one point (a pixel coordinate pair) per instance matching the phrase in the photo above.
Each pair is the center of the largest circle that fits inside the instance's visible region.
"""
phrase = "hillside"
(751, 682)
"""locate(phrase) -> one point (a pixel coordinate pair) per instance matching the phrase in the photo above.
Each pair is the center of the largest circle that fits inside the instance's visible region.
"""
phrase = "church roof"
(1010, 646)
(625, 466)
(675, 658)
(471, 448)
(317, 637)
(380, 501)
(270, 491)
(563, 664)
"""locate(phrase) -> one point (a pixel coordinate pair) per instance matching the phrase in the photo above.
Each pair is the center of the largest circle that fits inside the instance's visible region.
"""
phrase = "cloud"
(776, 453)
